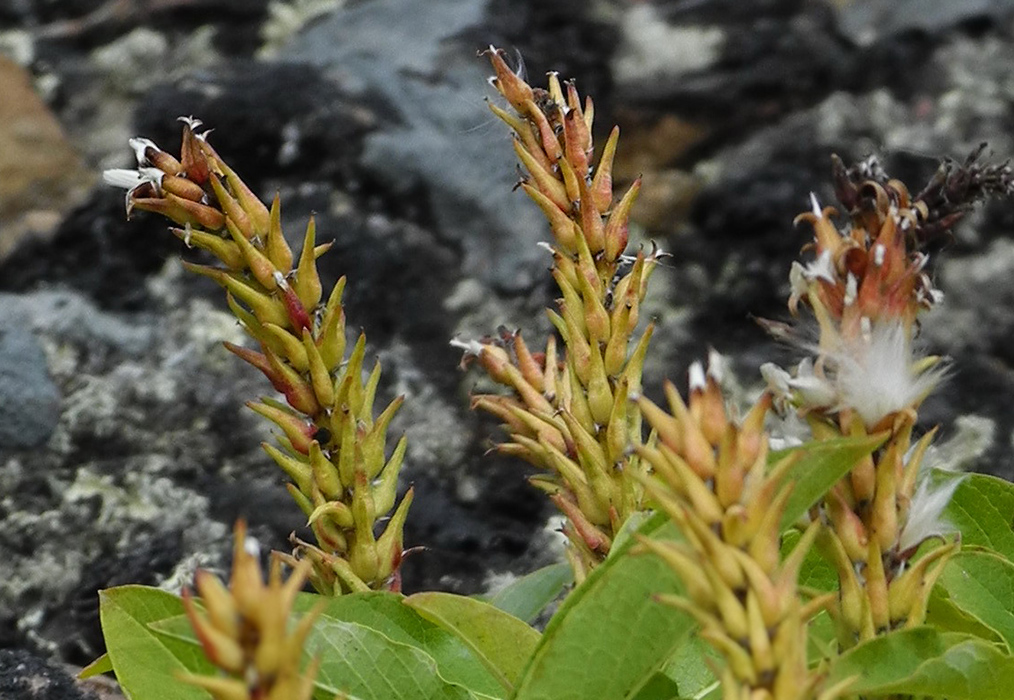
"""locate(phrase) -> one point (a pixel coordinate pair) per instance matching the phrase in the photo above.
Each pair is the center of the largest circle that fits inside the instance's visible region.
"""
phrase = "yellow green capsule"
(304, 503)
(351, 389)
(617, 430)
(591, 220)
(290, 382)
(225, 250)
(347, 455)
(589, 451)
(615, 233)
(544, 180)
(307, 281)
(296, 469)
(260, 219)
(320, 377)
(231, 208)
(602, 181)
(595, 315)
(375, 440)
(276, 247)
(336, 511)
(510, 85)
(572, 185)
(291, 347)
(548, 141)
(295, 428)
(390, 543)
(265, 308)
(385, 490)
(571, 307)
(576, 400)
(325, 473)
(218, 603)
(600, 395)
(262, 269)
(365, 410)
(331, 339)
(565, 230)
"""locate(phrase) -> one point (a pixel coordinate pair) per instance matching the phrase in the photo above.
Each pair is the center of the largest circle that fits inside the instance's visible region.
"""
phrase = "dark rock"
(267, 119)
(25, 676)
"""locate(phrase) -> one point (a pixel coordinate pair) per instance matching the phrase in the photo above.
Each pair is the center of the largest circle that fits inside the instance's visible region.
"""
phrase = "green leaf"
(982, 584)
(360, 661)
(625, 535)
(657, 687)
(146, 663)
(946, 616)
(501, 641)
(689, 669)
(819, 466)
(982, 509)
(96, 668)
(526, 597)
(384, 614)
(923, 661)
(387, 614)
(609, 636)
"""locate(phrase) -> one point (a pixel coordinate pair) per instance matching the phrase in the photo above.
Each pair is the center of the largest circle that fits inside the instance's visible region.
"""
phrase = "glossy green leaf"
(819, 466)
(609, 636)
(96, 668)
(147, 663)
(923, 661)
(982, 509)
(502, 642)
(982, 584)
(526, 597)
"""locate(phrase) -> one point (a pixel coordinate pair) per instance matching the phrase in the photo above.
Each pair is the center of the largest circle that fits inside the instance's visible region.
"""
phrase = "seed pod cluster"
(866, 287)
(569, 409)
(244, 630)
(710, 474)
(332, 446)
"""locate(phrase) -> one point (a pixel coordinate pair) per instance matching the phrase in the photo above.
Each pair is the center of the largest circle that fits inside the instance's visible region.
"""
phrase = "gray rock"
(29, 401)
(437, 138)
(866, 21)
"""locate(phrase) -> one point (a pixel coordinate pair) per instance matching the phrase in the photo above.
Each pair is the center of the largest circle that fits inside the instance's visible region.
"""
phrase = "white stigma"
(815, 206)
(697, 378)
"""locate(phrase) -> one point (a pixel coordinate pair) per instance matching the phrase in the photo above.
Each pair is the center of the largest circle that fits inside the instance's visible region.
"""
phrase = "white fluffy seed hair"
(875, 375)
(925, 515)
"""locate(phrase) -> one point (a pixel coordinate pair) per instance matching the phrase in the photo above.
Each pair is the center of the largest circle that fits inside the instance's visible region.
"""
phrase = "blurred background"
(125, 451)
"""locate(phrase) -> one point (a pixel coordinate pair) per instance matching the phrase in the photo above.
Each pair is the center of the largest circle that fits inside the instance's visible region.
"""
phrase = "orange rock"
(41, 176)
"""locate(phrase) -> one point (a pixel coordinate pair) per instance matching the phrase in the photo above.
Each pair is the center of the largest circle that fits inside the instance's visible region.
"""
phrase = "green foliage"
(817, 467)
(982, 509)
(926, 662)
(529, 595)
(147, 663)
(609, 638)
